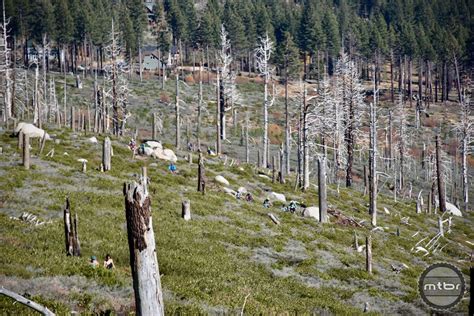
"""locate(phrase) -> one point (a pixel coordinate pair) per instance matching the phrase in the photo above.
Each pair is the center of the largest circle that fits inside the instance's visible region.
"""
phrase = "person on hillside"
(109, 263)
(267, 203)
(249, 197)
(292, 206)
(93, 262)
(172, 168)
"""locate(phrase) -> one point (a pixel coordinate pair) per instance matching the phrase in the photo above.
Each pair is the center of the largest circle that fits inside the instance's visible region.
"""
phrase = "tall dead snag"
(322, 193)
(201, 175)
(465, 130)
(73, 247)
(440, 177)
(107, 154)
(373, 159)
(26, 151)
(262, 58)
(177, 113)
(281, 176)
(141, 242)
(368, 254)
(186, 210)
(5, 67)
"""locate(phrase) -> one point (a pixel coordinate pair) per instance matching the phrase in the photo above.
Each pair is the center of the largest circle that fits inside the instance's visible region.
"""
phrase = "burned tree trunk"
(107, 154)
(440, 177)
(368, 254)
(70, 232)
(26, 151)
(322, 193)
(141, 242)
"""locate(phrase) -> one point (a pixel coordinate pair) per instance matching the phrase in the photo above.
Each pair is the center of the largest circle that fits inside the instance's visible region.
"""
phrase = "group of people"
(108, 262)
(248, 196)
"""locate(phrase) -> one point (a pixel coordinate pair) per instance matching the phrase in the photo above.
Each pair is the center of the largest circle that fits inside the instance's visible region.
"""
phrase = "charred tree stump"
(107, 154)
(322, 193)
(26, 151)
(440, 177)
(201, 175)
(186, 210)
(368, 254)
(141, 242)
(70, 232)
(76, 243)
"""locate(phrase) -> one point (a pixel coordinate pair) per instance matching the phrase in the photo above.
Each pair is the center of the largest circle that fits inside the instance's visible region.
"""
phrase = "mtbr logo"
(441, 286)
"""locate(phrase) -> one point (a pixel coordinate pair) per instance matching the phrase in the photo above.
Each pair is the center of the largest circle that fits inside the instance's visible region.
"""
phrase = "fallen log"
(23, 300)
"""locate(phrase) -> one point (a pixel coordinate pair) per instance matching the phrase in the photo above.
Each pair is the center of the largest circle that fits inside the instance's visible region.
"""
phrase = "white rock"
(312, 211)
(220, 179)
(451, 208)
(229, 191)
(154, 144)
(264, 176)
(242, 190)
(66, 154)
(386, 211)
(31, 130)
(276, 197)
(164, 154)
(82, 160)
(92, 140)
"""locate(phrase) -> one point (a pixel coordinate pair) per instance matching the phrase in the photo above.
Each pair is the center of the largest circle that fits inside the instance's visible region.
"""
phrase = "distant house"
(152, 63)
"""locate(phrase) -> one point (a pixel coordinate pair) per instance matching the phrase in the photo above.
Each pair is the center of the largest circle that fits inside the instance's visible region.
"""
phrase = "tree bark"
(141, 242)
(218, 116)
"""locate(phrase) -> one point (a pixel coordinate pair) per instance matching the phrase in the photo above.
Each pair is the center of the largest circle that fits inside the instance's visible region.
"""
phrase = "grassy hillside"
(230, 252)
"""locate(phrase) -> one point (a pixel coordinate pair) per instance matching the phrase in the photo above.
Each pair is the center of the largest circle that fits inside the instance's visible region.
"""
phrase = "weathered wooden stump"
(84, 166)
(141, 242)
(26, 151)
(107, 154)
(186, 210)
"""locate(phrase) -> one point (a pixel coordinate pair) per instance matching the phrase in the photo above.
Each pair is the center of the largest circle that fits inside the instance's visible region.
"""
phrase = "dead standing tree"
(201, 175)
(141, 242)
(5, 67)
(440, 177)
(373, 157)
(107, 154)
(262, 57)
(465, 130)
(73, 247)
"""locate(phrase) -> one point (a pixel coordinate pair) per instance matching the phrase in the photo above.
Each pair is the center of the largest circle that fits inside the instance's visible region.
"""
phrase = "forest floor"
(230, 252)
